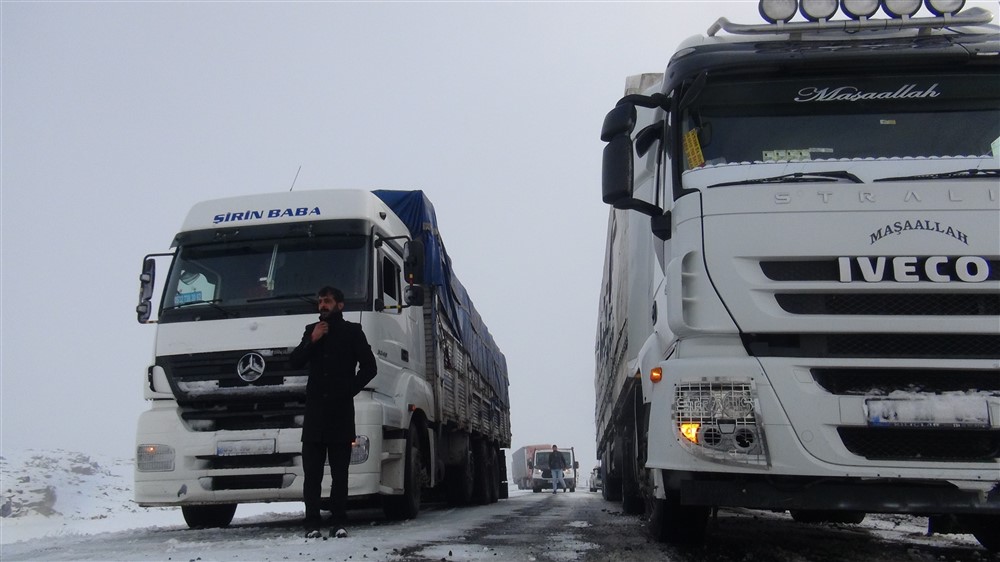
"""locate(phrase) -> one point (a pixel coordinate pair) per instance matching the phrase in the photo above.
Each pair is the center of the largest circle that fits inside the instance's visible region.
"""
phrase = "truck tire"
(632, 503)
(673, 523)
(461, 481)
(208, 516)
(493, 474)
(480, 459)
(407, 505)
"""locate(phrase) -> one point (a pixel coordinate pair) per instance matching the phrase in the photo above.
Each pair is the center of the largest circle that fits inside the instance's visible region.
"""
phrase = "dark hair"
(337, 294)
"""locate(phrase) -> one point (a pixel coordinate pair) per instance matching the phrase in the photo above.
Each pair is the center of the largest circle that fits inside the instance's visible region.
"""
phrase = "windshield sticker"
(182, 298)
(692, 149)
(850, 93)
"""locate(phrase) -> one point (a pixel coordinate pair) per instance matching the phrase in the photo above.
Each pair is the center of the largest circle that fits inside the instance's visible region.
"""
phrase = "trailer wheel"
(671, 522)
(632, 502)
(493, 475)
(480, 491)
(461, 481)
(208, 516)
(407, 505)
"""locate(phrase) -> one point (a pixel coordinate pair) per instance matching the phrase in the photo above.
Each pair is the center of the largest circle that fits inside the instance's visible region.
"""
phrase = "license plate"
(934, 411)
(245, 447)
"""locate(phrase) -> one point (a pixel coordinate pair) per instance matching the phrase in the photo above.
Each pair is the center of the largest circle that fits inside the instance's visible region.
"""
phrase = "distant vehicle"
(541, 475)
(521, 464)
(226, 412)
(799, 307)
(596, 480)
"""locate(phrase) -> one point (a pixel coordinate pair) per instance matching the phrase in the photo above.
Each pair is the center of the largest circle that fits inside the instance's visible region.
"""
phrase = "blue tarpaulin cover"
(416, 211)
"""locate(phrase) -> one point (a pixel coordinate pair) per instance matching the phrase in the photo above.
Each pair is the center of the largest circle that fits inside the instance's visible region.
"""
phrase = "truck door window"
(389, 284)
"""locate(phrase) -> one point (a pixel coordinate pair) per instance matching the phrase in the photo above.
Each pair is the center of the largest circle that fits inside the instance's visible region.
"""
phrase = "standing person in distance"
(557, 464)
(340, 363)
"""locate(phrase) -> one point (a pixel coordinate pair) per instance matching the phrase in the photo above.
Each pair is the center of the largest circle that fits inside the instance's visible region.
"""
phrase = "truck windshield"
(842, 119)
(223, 279)
(542, 459)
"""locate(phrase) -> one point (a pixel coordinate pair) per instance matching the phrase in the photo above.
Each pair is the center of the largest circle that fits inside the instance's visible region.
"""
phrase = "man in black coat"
(341, 363)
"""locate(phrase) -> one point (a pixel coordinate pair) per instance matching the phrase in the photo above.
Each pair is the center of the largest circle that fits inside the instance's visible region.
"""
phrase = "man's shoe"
(313, 534)
(339, 533)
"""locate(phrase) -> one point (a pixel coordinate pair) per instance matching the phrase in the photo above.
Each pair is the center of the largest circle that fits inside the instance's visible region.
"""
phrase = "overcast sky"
(118, 116)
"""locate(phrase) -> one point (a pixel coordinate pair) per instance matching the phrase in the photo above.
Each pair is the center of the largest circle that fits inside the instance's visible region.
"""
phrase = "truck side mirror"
(413, 262)
(576, 465)
(146, 280)
(531, 465)
(618, 166)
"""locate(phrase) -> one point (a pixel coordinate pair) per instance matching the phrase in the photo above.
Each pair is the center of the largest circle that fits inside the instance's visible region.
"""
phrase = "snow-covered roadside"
(59, 493)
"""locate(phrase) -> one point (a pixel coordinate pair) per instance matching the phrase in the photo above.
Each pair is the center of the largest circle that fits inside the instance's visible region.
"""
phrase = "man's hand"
(319, 330)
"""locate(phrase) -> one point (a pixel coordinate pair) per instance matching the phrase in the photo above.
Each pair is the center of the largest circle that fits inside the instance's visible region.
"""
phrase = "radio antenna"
(295, 178)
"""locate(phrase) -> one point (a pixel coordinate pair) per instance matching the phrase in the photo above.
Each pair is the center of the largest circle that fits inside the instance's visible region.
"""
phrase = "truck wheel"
(208, 516)
(986, 529)
(536, 490)
(461, 480)
(407, 505)
(632, 503)
(493, 474)
(480, 491)
(671, 522)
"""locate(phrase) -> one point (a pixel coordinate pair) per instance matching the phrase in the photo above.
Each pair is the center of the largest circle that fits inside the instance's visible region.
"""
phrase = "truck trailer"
(521, 461)
(226, 407)
(800, 307)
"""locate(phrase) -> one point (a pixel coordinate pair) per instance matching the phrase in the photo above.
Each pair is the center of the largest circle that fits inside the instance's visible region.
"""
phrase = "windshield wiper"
(959, 174)
(797, 177)
(307, 297)
(212, 303)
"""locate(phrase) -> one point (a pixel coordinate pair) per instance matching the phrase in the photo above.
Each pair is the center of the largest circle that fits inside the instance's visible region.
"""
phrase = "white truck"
(541, 474)
(226, 407)
(800, 307)
(521, 461)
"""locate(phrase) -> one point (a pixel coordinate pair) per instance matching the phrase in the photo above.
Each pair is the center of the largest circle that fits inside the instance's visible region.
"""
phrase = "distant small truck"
(541, 475)
(521, 464)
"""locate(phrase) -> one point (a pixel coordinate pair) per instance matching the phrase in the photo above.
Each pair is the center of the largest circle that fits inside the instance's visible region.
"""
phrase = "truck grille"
(895, 346)
(866, 381)
(943, 445)
(213, 397)
(924, 304)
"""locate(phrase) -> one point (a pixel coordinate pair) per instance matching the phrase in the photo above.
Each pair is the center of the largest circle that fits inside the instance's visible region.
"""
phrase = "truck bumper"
(201, 471)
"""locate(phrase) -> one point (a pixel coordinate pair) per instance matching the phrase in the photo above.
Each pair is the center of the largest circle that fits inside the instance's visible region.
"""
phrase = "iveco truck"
(230, 302)
(800, 308)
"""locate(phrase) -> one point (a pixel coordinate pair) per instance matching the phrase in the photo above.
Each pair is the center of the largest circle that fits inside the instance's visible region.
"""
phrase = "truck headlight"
(359, 449)
(719, 420)
(151, 457)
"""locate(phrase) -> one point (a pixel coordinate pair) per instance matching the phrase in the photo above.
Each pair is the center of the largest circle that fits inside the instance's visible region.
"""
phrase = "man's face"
(328, 305)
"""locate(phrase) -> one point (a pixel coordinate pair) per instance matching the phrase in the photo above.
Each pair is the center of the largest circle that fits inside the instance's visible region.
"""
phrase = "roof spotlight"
(775, 11)
(900, 8)
(815, 10)
(857, 9)
(944, 7)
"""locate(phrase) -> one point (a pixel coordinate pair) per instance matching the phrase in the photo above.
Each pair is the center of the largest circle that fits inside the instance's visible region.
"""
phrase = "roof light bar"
(944, 7)
(775, 11)
(816, 10)
(857, 9)
(900, 8)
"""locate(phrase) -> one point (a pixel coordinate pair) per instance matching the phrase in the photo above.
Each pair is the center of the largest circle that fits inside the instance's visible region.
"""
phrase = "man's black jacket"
(341, 363)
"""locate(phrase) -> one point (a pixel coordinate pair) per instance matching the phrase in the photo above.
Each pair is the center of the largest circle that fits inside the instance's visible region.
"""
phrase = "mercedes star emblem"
(250, 367)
